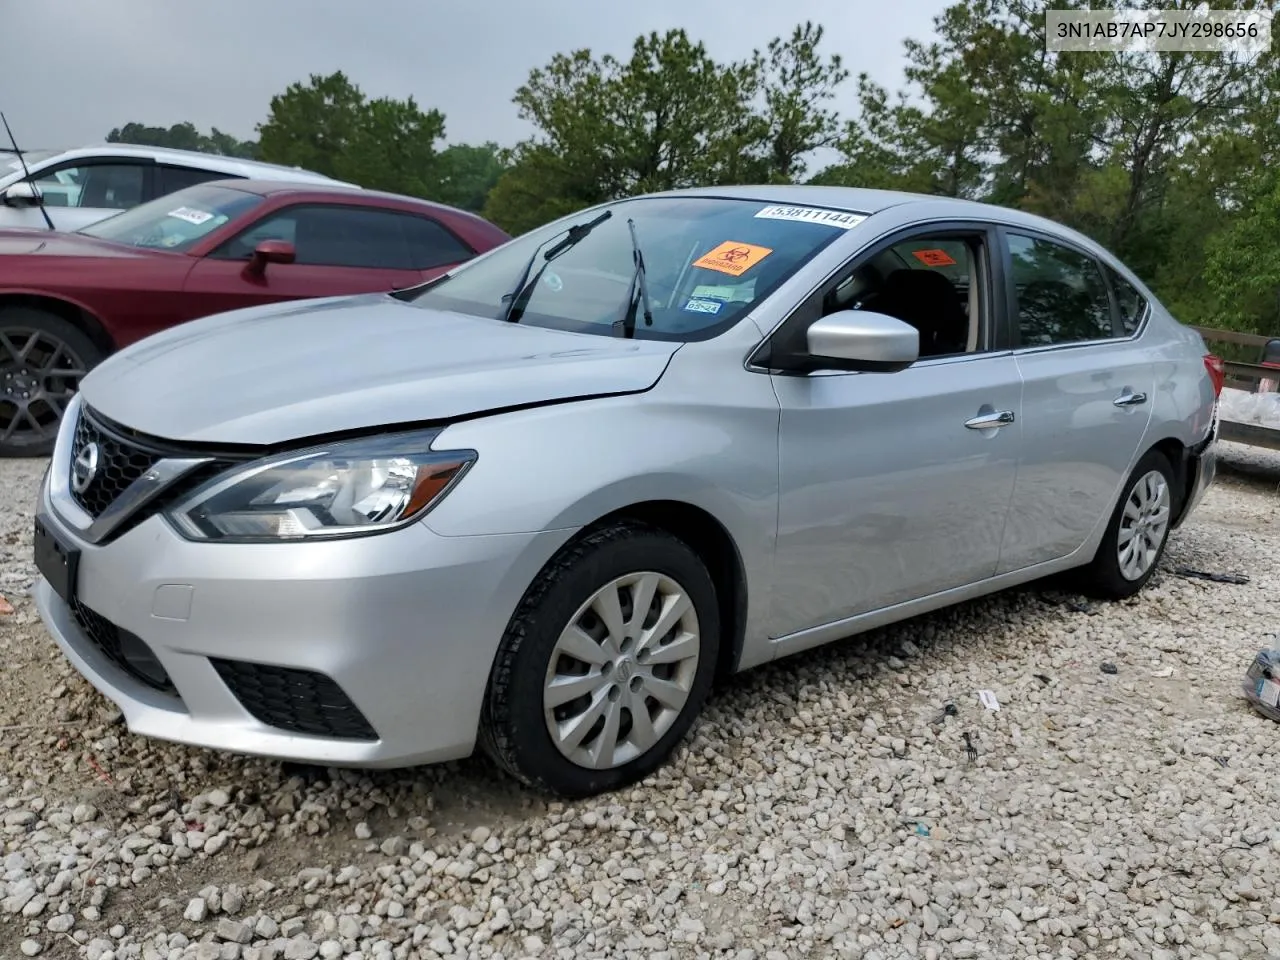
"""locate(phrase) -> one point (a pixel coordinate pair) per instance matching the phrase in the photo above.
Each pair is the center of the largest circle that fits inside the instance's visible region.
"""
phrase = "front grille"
(124, 649)
(120, 462)
(300, 701)
(124, 456)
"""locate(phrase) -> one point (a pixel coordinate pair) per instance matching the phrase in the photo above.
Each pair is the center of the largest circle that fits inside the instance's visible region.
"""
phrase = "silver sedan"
(541, 503)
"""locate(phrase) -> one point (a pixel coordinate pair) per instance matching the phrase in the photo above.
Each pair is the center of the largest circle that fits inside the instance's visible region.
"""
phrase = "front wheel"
(605, 665)
(1138, 532)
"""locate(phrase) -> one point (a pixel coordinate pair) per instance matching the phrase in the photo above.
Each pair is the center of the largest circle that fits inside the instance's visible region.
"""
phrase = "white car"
(82, 186)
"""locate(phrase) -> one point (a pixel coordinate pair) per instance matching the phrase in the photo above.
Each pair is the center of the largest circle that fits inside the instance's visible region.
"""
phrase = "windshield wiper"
(628, 322)
(518, 297)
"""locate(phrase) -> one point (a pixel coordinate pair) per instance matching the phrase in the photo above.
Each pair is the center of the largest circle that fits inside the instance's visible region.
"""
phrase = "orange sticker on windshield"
(933, 258)
(733, 258)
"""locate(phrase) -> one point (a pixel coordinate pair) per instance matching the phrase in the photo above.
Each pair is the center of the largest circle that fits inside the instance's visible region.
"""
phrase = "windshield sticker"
(695, 305)
(739, 293)
(553, 282)
(828, 218)
(933, 258)
(733, 258)
(196, 217)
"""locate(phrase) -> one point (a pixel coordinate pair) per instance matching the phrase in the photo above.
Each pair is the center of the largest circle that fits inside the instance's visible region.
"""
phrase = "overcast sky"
(73, 69)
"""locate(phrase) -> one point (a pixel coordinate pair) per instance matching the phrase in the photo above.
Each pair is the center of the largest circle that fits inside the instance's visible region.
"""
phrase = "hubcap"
(1143, 525)
(39, 374)
(622, 670)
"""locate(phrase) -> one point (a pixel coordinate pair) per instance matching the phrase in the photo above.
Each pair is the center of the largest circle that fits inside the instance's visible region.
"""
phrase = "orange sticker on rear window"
(733, 258)
(933, 258)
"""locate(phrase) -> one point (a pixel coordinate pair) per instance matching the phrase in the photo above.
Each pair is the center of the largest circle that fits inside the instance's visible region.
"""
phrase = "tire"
(1106, 577)
(515, 728)
(35, 396)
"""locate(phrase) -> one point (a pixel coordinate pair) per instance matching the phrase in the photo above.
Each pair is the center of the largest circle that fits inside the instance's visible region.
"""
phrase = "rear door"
(1087, 393)
(170, 178)
(341, 249)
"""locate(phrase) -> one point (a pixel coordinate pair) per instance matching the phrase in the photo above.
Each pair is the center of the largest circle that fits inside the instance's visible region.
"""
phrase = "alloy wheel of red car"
(39, 373)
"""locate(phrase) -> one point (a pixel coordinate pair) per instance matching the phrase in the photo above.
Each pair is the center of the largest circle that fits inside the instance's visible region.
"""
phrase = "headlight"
(340, 490)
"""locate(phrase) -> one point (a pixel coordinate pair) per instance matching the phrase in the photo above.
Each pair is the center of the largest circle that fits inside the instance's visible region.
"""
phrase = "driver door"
(891, 487)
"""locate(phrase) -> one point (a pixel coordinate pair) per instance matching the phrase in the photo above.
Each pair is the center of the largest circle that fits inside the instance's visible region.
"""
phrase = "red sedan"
(69, 299)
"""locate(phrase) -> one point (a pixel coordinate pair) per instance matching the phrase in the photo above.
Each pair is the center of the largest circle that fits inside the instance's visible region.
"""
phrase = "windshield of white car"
(708, 261)
(176, 221)
(11, 170)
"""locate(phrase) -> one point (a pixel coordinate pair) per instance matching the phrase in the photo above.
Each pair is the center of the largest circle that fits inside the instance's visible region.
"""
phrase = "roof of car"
(207, 161)
(869, 201)
(274, 188)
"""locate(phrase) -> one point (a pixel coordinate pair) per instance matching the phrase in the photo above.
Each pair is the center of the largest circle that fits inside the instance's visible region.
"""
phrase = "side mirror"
(271, 251)
(859, 340)
(24, 193)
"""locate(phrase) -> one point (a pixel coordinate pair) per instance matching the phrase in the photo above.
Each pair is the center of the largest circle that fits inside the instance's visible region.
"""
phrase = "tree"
(669, 116)
(1149, 154)
(468, 173)
(328, 125)
(1241, 267)
(797, 85)
(184, 136)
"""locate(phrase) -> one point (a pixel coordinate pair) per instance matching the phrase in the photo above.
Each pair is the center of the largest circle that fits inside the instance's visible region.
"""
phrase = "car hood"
(25, 241)
(270, 375)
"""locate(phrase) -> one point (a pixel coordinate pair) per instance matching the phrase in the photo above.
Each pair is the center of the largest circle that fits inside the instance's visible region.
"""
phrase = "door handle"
(1129, 399)
(990, 421)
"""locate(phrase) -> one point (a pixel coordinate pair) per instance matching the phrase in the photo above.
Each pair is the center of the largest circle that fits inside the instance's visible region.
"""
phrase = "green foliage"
(467, 174)
(1242, 267)
(1155, 156)
(184, 136)
(330, 126)
(667, 117)
(1166, 159)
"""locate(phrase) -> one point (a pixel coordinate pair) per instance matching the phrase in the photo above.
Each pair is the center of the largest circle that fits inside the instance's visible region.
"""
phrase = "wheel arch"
(710, 539)
(77, 314)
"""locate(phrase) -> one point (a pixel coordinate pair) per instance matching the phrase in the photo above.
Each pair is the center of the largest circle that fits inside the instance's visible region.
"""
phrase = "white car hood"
(270, 375)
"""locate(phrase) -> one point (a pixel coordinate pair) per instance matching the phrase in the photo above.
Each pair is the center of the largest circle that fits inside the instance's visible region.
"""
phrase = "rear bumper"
(1201, 469)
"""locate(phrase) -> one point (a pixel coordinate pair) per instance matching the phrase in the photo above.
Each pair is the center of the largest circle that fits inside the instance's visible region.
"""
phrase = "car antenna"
(26, 173)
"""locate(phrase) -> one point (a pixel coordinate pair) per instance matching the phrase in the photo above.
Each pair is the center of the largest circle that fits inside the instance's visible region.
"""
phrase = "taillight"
(1217, 372)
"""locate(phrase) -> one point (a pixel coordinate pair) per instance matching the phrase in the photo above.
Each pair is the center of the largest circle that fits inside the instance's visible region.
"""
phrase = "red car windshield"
(177, 220)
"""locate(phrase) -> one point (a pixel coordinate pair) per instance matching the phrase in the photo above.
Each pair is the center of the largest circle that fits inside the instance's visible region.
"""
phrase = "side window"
(114, 186)
(431, 245)
(330, 236)
(172, 179)
(931, 282)
(1062, 297)
(279, 226)
(1132, 304)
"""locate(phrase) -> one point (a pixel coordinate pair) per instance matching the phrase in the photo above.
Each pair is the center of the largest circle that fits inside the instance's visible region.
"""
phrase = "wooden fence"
(1244, 376)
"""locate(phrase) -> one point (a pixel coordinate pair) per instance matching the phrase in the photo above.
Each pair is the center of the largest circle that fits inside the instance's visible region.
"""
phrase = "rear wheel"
(605, 665)
(42, 360)
(1138, 532)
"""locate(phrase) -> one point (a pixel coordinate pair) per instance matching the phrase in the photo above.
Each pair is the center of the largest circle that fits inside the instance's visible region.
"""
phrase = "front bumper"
(404, 625)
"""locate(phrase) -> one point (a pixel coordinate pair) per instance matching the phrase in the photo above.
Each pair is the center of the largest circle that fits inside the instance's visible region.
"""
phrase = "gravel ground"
(828, 805)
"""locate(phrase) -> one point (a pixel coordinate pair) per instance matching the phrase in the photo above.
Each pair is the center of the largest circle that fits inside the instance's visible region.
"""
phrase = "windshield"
(707, 262)
(175, 221)
(11, 165)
